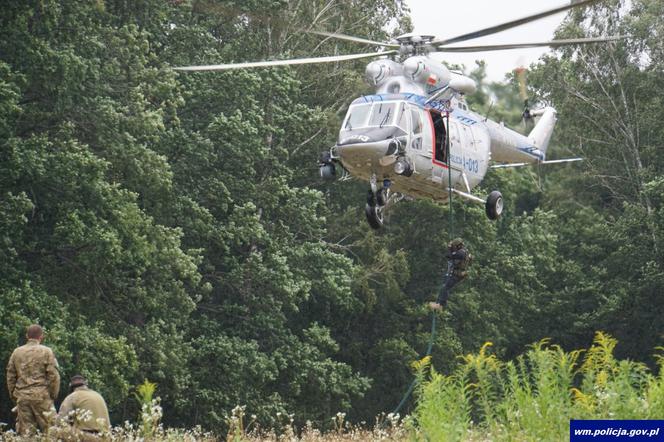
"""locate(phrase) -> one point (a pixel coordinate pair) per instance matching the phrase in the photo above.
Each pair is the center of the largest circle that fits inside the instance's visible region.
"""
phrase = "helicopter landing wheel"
(375, 215)
(494, 205)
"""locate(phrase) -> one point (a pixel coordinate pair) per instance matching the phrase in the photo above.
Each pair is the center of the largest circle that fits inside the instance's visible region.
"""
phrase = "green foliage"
(443, 409)
(534, 396)
(167, 226)
(109, 364)
(149, 218)
(145, 392)
(150, 409)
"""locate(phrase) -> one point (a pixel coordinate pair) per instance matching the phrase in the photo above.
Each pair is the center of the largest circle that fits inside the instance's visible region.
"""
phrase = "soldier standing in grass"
(33, 382)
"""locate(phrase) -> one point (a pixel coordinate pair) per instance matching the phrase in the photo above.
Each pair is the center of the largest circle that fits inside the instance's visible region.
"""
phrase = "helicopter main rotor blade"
(355, 39)
(295, 61)
(514, 23)
(552, 43)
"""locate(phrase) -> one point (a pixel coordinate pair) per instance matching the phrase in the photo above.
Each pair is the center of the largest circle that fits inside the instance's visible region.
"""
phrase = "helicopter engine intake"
(378, 71)
(463, 84)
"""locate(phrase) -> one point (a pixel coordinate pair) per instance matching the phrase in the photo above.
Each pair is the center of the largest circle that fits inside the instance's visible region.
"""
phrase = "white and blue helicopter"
(416, 135)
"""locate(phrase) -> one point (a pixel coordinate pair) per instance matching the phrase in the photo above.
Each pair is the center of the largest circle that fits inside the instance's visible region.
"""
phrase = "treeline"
(171, 226)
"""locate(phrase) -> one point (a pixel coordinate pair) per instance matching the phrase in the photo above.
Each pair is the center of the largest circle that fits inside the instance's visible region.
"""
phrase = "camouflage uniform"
(33, 382)
(83, 399)
(458, 260)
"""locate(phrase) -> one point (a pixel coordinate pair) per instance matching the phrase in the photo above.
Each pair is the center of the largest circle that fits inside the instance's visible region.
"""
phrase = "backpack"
(461, 267)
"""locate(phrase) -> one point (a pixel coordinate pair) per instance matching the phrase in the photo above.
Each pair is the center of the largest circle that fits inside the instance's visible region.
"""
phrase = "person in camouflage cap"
(33, 381)
(458, 260)
(85, 410)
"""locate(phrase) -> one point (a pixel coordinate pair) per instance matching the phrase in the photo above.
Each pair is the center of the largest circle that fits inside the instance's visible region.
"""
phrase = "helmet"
(456, 243)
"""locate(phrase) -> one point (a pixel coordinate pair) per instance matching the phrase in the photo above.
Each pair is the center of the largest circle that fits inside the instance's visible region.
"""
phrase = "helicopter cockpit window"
(357, 116)
(416, 137)
(417, 121)
(383, 114)
(380, 114)
(401, 118)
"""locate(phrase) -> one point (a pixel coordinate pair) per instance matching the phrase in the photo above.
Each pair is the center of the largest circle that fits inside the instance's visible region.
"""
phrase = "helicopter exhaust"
(463, 84)
(424, 71)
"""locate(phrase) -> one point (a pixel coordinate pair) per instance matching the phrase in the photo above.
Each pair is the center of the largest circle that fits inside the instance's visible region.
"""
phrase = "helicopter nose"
(370, 151)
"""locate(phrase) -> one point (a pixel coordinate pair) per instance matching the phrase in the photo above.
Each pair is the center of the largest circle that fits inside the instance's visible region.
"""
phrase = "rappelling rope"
(432, 338)
(414, 383)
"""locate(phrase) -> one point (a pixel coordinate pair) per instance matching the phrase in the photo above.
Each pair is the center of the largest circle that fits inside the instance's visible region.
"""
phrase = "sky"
(445, 18)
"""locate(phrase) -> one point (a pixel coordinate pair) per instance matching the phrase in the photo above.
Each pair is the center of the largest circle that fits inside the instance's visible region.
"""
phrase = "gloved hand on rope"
(435, 306)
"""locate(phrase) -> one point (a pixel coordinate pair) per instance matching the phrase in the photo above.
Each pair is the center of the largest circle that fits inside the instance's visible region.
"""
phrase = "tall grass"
(444, 404)
(484, 399)
(535, 396)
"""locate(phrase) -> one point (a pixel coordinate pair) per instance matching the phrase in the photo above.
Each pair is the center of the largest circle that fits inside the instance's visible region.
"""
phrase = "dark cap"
(77, 380)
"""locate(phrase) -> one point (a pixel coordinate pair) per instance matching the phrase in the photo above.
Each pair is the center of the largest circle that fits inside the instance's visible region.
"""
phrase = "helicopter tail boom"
(541, 133)
(509, 146)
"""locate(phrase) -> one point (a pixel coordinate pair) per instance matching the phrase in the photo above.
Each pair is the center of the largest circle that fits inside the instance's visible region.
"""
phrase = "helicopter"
(416, 136)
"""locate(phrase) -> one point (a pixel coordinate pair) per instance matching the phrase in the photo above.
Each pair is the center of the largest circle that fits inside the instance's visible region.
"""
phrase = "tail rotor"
(527, 115)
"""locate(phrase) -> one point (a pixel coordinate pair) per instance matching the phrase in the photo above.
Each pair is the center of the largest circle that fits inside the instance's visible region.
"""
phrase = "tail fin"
(541, 133)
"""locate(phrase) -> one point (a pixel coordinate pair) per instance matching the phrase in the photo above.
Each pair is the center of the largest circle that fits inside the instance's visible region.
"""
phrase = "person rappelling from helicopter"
(458, 261)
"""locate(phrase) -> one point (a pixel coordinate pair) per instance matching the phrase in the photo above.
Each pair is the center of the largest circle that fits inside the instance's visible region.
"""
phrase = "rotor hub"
(414, 44)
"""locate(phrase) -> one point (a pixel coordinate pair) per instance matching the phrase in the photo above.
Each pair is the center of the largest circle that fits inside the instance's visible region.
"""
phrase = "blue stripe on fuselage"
(462, 116)
(418, 100)
(533, 151)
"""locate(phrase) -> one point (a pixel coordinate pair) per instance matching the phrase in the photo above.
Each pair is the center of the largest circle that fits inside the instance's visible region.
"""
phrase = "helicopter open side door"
(440, 153)
(440, 157)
